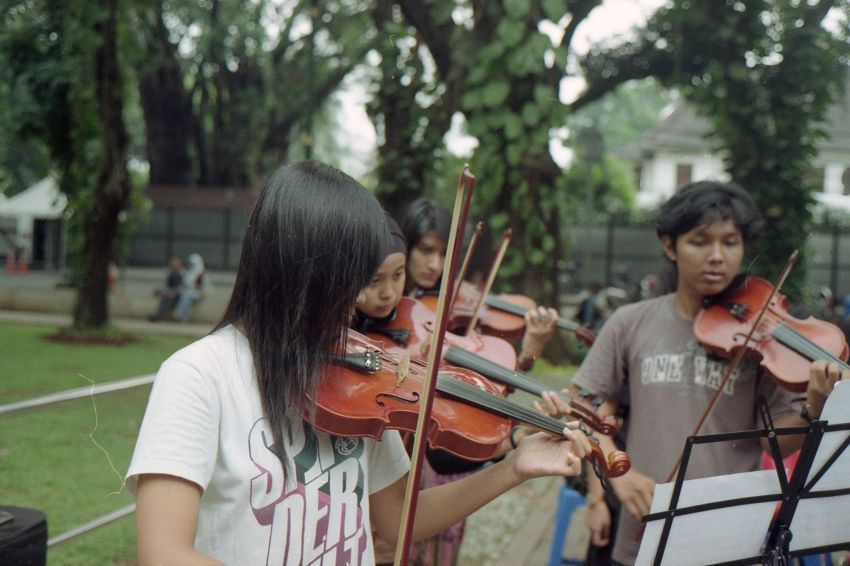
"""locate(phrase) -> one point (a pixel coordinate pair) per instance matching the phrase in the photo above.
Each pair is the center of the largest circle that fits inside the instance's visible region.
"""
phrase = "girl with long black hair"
(227, 466)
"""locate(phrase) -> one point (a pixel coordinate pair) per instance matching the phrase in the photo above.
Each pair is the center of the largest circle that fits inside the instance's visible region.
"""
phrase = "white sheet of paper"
(824, 521)
(718, 535)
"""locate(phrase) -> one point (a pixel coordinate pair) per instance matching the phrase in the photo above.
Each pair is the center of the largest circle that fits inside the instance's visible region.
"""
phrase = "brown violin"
(369, 391)
(412, 315)
(785, 345)
(608, 425)
(501, 315)
(488, 356)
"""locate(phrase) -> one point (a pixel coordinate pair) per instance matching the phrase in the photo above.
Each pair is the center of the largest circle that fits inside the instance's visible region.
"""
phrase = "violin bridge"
(403, 369)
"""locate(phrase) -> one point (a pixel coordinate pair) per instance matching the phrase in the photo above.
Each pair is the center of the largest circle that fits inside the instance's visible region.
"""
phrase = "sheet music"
(739, 531)
(824, 521)
(718, 535)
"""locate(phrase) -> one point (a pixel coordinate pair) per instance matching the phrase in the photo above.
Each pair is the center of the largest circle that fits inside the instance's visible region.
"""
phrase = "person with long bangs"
(648, 351)
(227, 467)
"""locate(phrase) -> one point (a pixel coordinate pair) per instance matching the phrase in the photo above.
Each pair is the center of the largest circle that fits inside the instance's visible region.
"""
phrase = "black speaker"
(23, 536)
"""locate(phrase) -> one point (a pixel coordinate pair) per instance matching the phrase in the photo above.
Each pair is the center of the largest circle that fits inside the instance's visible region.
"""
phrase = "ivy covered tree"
(496, 67)
(763, 72)
(410, 115)
(102, 207)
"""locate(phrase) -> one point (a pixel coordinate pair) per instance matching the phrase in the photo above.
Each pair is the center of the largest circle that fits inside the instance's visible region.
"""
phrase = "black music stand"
(734, 519)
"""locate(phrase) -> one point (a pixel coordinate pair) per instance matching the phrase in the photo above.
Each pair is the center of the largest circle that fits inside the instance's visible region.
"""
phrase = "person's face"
(175, 264)
(707, 257)
(384, 291)
(427, 258)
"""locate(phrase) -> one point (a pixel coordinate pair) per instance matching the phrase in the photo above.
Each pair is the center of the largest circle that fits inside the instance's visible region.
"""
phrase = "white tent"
(32, 223)
(42, 200)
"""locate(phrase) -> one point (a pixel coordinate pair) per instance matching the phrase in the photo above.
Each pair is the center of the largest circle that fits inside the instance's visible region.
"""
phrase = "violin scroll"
(616, 464)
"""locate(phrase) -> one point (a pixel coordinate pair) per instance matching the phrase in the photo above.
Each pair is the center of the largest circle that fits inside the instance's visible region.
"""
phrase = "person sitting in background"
(193, 282)
(169, 296)
(591, 311)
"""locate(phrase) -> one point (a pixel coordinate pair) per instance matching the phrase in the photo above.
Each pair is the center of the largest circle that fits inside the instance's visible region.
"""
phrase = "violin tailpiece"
(739, 310)
(369, 360)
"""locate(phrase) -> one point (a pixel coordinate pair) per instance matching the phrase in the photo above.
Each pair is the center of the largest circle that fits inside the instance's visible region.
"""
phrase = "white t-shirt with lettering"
(204, 423)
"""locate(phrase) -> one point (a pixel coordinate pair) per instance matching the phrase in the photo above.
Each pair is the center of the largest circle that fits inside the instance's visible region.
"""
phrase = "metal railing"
(72, 395)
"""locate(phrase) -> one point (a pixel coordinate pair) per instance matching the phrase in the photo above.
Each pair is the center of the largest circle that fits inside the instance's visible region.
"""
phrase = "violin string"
(468, 392)
(792, 338)
(521, 413)
(488, 400)
(500, 303)
(487, 367)
(798, 342)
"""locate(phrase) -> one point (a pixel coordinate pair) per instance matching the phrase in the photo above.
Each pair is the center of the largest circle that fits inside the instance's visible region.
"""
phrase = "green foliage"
(246, 79)
(409, 121)
(625, 114)
(763, 73)
(517, 9)
(610, 181)
(47, 49)
(554, 9)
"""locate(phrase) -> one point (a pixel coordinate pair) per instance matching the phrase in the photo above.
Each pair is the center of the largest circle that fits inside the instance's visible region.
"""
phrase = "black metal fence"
(611, 253)
(623, 254)
(215, 235)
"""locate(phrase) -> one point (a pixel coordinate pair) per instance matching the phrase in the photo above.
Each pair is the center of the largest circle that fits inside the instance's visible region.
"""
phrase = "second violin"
(786, 345)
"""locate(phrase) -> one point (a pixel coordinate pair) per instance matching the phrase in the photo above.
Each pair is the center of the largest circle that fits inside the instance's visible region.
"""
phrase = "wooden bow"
(466, 183)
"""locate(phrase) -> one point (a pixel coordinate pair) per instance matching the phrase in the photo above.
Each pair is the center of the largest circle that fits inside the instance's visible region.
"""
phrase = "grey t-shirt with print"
(651, 348)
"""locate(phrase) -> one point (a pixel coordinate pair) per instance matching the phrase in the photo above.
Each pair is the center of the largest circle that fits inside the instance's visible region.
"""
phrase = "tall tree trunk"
(169, 122)
(111, 195)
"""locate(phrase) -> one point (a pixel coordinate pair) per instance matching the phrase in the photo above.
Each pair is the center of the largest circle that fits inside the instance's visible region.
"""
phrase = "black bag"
(23, 538)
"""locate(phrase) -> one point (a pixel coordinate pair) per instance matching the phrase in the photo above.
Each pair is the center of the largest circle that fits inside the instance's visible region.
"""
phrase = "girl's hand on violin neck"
(822, 378)
(540, 325)
(553, 405)
(542, 454)
(635, 491)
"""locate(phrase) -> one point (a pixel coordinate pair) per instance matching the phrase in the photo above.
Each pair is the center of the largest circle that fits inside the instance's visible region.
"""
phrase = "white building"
(677, 151)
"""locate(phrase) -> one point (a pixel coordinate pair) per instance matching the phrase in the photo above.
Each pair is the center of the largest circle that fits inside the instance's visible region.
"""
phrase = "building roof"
(41, 200)
(683, 131)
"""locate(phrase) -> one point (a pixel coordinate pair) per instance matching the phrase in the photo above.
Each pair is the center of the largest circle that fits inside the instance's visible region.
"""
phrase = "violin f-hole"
(379, 398)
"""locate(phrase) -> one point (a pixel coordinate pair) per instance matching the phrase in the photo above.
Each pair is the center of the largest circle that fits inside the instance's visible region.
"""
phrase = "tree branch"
(436, 36)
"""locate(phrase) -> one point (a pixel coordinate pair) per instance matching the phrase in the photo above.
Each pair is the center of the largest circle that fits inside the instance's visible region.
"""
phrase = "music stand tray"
(759, 517)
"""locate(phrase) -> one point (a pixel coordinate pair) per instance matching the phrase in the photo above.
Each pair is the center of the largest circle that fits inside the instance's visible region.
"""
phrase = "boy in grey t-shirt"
(651, 348)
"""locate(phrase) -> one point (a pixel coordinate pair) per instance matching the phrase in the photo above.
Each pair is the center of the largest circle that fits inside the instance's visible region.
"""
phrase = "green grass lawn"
(50, 459)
